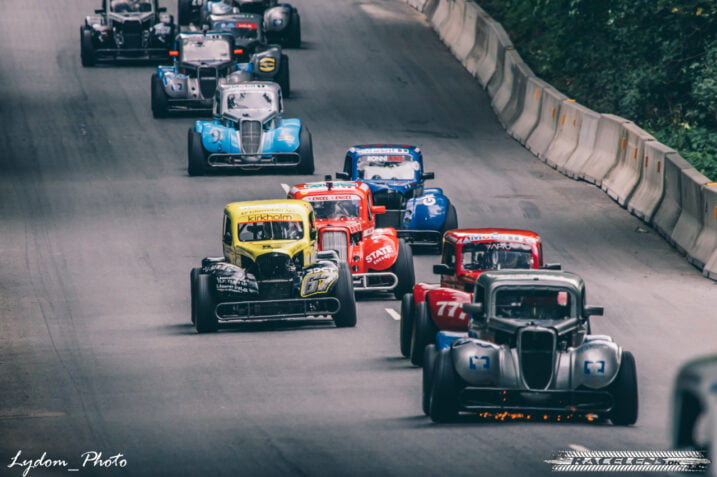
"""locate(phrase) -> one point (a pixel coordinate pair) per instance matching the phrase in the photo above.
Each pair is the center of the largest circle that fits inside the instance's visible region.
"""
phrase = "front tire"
(346, 317)
(160, 101)
(193, 292)
(443, 406)
(197, 156)
(624, 392)
(294, 37)
(206, 319)
(87, 47)
(451, 221)
(403, 268)
(406, 324)
(184, 12)
(306, 152)
(282, 76)
(429, 361)
(424, 333)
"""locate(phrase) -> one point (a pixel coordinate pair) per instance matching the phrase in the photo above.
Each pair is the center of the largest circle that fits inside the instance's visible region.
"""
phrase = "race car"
(529, 350)
(346, 219)
(127, 30)
(203, 61)
(248, 132)
(466, 254)
(395, 175)
(281, 20)
(271, 270)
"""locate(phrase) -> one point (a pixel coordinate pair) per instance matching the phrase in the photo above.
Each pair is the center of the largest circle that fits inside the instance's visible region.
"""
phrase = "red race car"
(466, 254)
(346, 222)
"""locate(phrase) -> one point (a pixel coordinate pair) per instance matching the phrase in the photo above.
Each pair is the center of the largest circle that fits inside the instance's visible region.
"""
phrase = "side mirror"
(475, 308)
(343, 176)
(443, 269)
(594, 311)
(428, 176)
(162, 9)
(378, 209)
(552, 266)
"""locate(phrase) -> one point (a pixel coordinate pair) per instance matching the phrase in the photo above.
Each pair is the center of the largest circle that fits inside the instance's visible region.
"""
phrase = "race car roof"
(530, 278)
(491, 235)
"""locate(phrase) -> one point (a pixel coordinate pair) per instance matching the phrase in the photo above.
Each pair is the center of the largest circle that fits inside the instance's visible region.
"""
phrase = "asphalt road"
(100, 225)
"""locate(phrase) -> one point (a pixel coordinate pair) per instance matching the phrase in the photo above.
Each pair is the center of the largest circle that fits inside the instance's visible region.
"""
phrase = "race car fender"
(319, 279)
(175, 84)
(285, 138)
(277, 19)
(380, 251)
(479, 362)
(594, 364)
(230, 279)
(420, 290)
(445, 308)
(217, 138)
(266, 64)
(426, 212)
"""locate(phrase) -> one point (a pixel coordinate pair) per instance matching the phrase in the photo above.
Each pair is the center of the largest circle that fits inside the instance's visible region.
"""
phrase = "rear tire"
(197, 156)
(206, 318)
(184, 12)
(294, 37)
(282, 76)
(445, 384)
(87, 47)
(160, 101)
(193, 292)
(346, 317)
(451, 221)
(403, 268)
(429, 362)
(406, 324)
(306, 152)
(424, 332)
(624, 392)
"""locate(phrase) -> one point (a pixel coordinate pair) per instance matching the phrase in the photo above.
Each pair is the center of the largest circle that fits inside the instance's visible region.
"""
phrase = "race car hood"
(206, 64)
(289, 247)
(353, 225)
(402, 186)
(261, 115)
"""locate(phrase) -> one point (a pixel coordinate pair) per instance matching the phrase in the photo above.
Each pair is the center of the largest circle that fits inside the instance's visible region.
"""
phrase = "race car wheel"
(346, 317)
(429, 361)
(197, 165)
(87, 47)
(451, 221)
(624, 392)
(160, 101)
(306, 152)
(294, 38)
(206, 319)
(424, 333)
(193, 292)
(403, 268)
(406, 324)
(443, 405)
(184, 12)
(282, 76)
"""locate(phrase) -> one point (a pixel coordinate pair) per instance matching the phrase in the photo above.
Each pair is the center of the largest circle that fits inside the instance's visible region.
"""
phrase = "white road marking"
(578, 447)
(393, 314)
(286, 187)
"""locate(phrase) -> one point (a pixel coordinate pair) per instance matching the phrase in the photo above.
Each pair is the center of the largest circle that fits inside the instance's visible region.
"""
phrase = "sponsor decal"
(269, 217)
(286, 136)
(267, 65)
(379, 255)
(629, 461)
(429, 200)
(384, 151)
(498, 236)
(246, 25)
(320, 198)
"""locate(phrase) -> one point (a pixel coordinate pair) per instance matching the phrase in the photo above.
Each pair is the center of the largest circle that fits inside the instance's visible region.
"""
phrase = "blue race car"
(248, 132)
(395, 175)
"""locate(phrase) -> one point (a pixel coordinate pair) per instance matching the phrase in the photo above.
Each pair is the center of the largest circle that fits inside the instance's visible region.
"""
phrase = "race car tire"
(403, 268)
(451, 221)
(184, 12)
(346, 317)
(206, 319)
(443, 405)
(193, 292)
(282, 76)
(306, 152)
(429, 362)
(197, 157)
(87, 47)
(160, 101)
(406, 324)
(424, 333)
(624, 392)
(294, 37)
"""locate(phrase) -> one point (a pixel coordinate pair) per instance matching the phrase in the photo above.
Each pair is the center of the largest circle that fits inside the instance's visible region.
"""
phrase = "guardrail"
(646, 177)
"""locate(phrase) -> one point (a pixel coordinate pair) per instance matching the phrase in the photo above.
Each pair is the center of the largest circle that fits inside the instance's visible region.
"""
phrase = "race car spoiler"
(248, 161)
(276, 309)
(375, 281)
(553, 401)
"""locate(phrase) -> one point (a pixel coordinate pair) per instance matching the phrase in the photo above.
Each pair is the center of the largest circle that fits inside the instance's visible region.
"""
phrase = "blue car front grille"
(250, 136)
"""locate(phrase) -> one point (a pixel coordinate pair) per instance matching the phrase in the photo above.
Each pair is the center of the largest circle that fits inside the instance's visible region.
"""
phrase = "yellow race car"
(271, 270)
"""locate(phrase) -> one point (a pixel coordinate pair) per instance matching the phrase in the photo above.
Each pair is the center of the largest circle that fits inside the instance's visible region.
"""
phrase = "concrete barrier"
(573, 166)
(497, 41)
(468, 34)
(514, 107)
(429, 8)
(504, 102)
(456, 22)
(439, 17)
(567, 134)
(478, 53)
(669, 209)
(621, 180)
(609, 138)
(544, 131)
(418, 4)
(527, 118)
(706, 243)
(649, 191)
(689, 224)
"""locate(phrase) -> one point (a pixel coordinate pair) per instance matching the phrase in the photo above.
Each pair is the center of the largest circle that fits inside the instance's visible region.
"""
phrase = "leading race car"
(248, 132)
(466, 254)
(346, 219)
(395, 174)
(529, 350)
(281, 20)
(127, 30)
(270, 270)
(203, 61)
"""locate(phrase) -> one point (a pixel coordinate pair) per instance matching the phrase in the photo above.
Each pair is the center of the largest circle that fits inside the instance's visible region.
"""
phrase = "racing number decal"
(452, 309)
(267, 65)
(474, 361)
(429, 200)
(317, 282)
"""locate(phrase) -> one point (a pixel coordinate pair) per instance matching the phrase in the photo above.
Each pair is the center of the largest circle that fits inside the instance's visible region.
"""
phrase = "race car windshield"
(206, 50)
(534, 303)
(496, 256)
(388, 167)
(238, 29)
(131, 6)
(250, 100)
(275, 230)
(335, 209)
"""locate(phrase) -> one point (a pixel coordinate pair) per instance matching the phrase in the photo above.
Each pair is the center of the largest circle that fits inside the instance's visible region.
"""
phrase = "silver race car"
(529, 349)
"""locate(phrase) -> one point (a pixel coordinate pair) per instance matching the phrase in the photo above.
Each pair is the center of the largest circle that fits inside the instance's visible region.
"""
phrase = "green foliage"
(651, 61)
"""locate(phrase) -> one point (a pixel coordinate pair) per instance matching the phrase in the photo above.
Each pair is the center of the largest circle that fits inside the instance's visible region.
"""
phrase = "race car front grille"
(250, 136)
(536, 348)
(132, 34)
(274, 266)
(276, 289)
(207, 81)
(335, 240)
